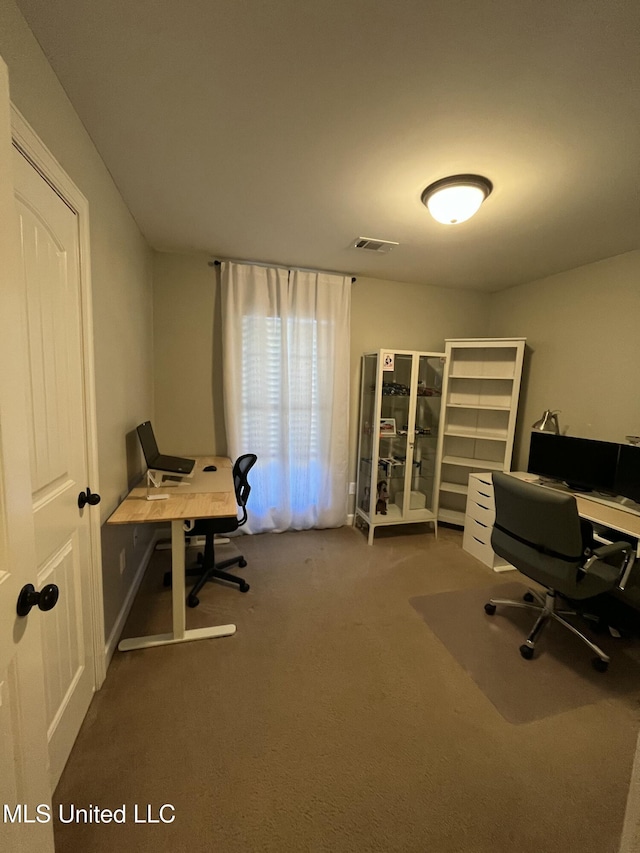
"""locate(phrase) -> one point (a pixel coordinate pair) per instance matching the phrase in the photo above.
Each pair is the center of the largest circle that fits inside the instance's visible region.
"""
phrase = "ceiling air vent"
(373, 245)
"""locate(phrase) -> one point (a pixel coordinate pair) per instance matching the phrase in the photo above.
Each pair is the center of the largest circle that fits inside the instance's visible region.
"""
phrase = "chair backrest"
(539, 531)
(241, 468)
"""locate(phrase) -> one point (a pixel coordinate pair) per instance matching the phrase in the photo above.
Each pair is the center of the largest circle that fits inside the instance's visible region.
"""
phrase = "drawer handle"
(483, 507)
(480, 523)
(484, 494)
(479, 540)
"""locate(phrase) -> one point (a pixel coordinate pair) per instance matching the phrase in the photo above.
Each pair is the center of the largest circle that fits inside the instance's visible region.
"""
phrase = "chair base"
(547, 610)
(216, 571)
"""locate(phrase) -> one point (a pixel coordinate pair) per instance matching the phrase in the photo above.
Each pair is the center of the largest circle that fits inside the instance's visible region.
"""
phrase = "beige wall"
(189, 417)
(397, 315)
(583, 348)
(581, 328)
(122, 293)
(188, 351)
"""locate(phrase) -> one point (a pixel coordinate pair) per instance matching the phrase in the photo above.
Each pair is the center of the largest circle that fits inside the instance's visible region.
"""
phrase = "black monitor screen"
(582, 463)
(627, 481)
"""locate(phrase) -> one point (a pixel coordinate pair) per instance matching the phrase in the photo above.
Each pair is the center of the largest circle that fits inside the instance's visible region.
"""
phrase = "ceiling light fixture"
(455, 199)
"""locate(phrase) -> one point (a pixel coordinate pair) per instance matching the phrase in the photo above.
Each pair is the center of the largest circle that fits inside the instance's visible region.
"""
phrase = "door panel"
(50, 259)
(23, 743)
(47, 304)
(60, 636)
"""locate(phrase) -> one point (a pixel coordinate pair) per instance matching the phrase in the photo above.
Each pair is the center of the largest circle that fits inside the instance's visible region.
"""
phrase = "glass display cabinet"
(400, 398)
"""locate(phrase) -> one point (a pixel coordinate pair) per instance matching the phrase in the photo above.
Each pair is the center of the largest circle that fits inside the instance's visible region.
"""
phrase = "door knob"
(88, 497)
(46, 599)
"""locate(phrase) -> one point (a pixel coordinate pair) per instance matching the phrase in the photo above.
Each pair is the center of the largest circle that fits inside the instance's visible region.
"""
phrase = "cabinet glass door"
(420, 497)
(368, 430)
(393, 434)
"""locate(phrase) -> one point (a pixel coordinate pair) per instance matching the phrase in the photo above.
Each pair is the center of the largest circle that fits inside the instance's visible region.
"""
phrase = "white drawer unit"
(478, 522)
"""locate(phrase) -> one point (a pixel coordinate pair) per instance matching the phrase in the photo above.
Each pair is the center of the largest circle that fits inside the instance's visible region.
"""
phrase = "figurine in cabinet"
(383, 497)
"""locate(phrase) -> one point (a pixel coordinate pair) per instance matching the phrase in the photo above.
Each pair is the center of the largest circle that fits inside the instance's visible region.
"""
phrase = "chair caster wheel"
(193, 600)
(489, 608)
(528, 596)
(166, 580)
(242, 563)
(526, 652)
(244, 587)
(600, 665)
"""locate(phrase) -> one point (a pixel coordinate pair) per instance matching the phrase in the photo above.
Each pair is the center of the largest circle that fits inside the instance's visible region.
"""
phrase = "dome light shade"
(455, 199)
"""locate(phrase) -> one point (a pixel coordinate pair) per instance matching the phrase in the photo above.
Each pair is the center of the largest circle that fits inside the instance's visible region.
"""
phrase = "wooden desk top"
(207, 494)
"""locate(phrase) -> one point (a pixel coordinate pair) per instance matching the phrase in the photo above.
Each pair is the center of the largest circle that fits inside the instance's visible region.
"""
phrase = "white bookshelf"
(480, 393)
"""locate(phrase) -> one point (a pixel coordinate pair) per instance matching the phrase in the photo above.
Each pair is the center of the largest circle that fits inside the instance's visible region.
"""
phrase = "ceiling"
(281, 130)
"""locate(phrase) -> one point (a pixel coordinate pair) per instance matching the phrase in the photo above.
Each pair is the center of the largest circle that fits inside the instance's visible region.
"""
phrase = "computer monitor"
(627, 480)
(584, 464)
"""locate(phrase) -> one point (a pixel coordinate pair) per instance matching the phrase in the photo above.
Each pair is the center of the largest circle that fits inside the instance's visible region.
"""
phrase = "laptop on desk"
(157, 460)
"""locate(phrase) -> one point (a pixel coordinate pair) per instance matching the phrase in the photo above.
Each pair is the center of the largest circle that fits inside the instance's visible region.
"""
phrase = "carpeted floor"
(559, 678)
(336, 720)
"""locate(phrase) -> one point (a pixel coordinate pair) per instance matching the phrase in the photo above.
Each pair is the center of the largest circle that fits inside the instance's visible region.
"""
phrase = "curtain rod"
(217, 263)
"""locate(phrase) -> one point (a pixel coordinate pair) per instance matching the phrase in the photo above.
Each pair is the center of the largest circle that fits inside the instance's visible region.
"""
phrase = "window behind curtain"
(288, 396)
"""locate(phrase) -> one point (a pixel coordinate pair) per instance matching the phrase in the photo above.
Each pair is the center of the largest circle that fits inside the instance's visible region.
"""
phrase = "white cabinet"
(478, 522)
(480, 401)
(400, 410)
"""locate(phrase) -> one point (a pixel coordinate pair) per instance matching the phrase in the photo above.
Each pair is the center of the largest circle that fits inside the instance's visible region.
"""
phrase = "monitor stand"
(157, 477)
(157, 480)
(574, 487)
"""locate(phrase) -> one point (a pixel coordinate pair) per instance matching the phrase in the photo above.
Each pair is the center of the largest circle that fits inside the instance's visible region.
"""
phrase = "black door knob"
(46, 599)
(88, 497)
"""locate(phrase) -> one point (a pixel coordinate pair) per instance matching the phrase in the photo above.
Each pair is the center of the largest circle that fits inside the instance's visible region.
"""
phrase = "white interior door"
(24, 783)
(50, 258)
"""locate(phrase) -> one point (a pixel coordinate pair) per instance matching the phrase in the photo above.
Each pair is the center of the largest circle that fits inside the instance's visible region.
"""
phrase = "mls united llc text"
(44, 813)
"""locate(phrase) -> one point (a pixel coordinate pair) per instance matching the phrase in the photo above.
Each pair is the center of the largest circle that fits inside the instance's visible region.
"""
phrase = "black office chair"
(539, 532)
(207, 568)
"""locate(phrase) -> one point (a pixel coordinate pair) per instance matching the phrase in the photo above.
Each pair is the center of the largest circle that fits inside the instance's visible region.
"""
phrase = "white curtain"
(286, 392)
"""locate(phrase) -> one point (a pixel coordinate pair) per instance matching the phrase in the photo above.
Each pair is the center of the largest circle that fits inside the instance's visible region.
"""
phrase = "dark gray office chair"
(540, 533)
(207, 568)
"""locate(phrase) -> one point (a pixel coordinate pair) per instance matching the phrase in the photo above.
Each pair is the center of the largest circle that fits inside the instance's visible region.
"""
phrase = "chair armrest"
(611, 548)
(598, 554)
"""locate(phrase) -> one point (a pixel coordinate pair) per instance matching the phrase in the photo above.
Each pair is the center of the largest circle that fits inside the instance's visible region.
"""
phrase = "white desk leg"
(179, 633)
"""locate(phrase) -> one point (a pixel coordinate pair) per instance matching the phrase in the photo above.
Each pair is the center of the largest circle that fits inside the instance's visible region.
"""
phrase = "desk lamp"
(548, 422)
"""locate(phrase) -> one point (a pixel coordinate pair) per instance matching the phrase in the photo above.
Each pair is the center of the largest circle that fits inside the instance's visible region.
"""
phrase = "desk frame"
(178, 508)
(180, 634)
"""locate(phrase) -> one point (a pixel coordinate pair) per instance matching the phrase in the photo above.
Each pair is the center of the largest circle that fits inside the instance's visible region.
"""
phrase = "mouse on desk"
(210, 468)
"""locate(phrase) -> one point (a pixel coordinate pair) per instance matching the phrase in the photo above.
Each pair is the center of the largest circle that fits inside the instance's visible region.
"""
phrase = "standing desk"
(207, 494)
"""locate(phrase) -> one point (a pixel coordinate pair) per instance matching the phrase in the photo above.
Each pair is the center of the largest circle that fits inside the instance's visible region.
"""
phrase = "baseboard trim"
(127, 604)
